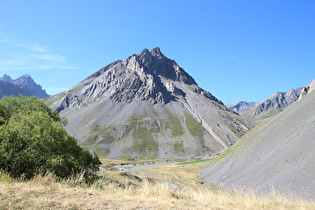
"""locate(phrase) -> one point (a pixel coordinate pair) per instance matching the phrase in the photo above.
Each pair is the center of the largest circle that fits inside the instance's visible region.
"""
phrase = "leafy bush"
(4, 177)
(33, 140)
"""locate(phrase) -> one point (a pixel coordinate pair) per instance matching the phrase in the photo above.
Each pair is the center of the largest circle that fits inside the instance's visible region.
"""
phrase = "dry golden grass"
(175, 173)
(126, 161)
(47, 193)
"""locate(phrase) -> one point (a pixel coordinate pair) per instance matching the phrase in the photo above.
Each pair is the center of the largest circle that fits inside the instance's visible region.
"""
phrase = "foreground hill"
(279, 152)
(24, 85)
(275, 104)
(147, 106)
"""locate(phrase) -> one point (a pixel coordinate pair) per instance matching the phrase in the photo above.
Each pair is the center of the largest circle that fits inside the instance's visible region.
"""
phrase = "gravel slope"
(147, 106)
(279, 152)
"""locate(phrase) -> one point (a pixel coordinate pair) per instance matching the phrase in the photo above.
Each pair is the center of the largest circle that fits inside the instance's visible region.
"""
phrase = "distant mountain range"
(279, 153)
(242, 106)
(147, 106)
(258, 112)
(24, 85)
(275, 104)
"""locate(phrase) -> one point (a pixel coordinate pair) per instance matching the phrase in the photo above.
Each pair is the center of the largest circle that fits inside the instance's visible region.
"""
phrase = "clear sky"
(235, 49)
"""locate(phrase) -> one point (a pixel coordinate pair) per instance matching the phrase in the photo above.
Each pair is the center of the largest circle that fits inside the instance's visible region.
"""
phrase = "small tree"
(33, 139)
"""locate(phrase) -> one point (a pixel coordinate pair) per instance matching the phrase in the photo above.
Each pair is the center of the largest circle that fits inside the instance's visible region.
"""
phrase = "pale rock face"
(170, 87)
(146, 106)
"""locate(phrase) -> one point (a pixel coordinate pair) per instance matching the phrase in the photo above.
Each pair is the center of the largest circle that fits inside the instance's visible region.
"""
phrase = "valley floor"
(176, 186)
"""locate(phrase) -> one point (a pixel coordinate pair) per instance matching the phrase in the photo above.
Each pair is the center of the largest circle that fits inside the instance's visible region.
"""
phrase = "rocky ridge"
(145, 76)
(24, 85)
(275, 104)
(147, 106)
(242, 106)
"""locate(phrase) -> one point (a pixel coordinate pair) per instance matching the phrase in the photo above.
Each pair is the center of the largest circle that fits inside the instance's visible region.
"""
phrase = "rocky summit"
(147, 106)
(24, 85)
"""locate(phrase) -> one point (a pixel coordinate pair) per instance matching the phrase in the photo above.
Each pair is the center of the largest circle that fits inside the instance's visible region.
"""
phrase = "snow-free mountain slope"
(147, 106)
(278, 153)
(275, 104)
(24, 85)
(242, 106)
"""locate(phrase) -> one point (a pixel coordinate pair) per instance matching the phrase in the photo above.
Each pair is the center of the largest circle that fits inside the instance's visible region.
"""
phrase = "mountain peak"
(145, 104)
(26, 76)
(156, 52)
(6, 78)
(148, 76)
(24, 85)
(242, 106)
(143, 52)
(25, 80)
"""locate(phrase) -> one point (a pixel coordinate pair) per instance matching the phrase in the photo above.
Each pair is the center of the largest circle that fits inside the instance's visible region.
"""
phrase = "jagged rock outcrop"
(275, 104)
(242, 106)
(147, 106)
(24, 85)
(146, 76)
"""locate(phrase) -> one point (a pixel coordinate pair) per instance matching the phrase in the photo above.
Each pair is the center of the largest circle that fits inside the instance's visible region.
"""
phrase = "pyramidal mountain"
(24, 85)
(147, 106)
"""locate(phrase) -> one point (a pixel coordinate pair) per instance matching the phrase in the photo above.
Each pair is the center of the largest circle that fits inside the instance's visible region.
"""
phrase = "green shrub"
(32, 140)
(5, 177)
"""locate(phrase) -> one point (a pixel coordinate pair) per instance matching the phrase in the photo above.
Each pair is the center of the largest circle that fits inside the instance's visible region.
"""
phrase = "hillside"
(147, 106)
(279, 153)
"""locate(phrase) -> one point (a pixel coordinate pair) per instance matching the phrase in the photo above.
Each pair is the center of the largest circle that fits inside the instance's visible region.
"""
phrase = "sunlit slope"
(279, 152)
(275, 104)
(147, 107)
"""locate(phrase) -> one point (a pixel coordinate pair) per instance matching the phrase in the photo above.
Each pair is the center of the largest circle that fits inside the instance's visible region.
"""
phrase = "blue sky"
(235, 49)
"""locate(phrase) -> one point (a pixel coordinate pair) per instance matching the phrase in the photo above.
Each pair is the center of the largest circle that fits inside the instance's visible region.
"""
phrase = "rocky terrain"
(278, 153)
(24, 85)
(275, 104)
(242, 106)
(147, 106)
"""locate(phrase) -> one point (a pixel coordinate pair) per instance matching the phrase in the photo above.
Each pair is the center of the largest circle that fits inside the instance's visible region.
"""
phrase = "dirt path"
(177, 177)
